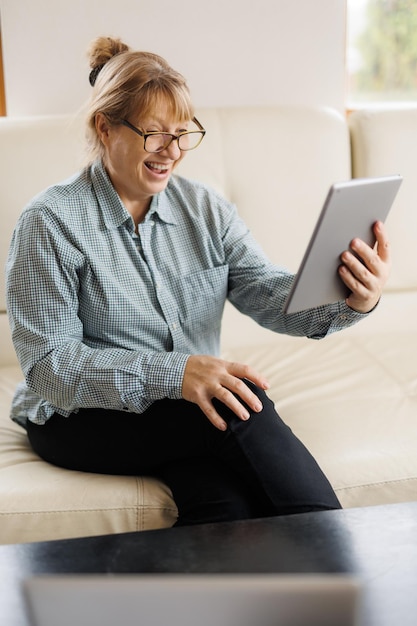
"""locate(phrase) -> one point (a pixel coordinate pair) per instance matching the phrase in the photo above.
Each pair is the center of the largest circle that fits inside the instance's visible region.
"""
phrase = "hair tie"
(94, 73)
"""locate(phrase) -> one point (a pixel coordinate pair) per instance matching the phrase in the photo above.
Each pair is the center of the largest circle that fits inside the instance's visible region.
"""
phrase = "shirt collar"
(162, 206)
(114, 212)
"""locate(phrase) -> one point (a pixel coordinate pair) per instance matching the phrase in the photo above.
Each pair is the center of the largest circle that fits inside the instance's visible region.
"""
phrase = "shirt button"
(174, 326)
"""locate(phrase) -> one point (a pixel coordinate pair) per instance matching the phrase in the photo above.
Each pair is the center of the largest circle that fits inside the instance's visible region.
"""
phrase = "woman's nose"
(173, 150)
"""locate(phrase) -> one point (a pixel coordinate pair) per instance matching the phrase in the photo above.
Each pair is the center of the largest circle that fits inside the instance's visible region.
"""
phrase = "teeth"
(158, 166)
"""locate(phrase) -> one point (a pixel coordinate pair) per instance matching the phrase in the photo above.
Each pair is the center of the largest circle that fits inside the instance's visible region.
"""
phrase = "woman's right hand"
(208, 377)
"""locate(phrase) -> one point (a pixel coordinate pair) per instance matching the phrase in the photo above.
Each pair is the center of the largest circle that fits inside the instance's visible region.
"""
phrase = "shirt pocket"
(201, 297)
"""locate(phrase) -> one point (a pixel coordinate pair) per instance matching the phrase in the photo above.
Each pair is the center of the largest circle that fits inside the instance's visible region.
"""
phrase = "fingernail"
(258, 406)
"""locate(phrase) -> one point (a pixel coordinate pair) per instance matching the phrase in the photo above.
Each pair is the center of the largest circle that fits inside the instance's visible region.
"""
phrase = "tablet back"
(350, 210)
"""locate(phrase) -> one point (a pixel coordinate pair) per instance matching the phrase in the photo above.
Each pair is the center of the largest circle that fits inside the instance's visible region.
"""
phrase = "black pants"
(255, 468)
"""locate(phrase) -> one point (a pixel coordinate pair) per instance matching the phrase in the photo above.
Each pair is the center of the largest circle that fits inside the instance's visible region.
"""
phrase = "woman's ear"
(102, 127)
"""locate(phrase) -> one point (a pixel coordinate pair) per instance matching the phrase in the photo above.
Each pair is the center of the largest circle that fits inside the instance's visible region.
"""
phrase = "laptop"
(192, 600)
(350, 210)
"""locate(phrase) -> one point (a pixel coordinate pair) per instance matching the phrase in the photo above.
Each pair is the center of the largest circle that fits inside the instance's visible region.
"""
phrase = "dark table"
(377, 544)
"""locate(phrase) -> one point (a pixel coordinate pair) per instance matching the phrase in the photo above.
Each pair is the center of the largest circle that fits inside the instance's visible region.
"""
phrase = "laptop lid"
(350, 210)
(192, 600)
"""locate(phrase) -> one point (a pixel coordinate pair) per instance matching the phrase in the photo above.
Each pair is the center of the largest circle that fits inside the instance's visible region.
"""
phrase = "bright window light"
(381, 51)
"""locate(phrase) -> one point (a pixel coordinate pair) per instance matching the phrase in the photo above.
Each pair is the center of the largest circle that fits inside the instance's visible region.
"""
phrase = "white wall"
(231, 51)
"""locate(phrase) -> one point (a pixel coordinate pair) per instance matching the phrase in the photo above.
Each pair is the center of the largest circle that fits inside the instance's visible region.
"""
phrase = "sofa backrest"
(275, 163)
(34, 153)
(384, 141)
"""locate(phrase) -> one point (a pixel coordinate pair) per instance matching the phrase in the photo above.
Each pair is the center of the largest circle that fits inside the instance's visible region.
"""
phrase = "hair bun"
(102, 50)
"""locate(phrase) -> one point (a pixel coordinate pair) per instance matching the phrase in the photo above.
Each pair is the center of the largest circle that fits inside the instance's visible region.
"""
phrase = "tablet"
(350, 210)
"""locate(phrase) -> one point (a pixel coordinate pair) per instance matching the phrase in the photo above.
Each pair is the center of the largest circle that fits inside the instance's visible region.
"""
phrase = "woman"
(117, 280)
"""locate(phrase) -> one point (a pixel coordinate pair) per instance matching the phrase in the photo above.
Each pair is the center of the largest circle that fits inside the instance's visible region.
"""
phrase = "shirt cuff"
(347, 316)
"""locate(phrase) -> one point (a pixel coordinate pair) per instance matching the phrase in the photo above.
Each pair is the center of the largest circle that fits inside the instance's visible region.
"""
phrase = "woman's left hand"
(366, 277)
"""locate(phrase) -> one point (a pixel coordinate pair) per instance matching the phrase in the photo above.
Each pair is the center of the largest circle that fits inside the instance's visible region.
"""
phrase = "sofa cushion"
(39, 501)
(352, 399)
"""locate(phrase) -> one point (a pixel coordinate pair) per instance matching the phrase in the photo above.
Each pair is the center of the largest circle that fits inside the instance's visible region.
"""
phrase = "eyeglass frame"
(139, 132)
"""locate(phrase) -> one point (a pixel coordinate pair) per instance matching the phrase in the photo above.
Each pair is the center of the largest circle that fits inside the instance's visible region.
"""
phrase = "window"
(381, 51)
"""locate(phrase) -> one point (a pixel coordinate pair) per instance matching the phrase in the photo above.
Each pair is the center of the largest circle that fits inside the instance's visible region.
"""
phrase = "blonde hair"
(128, 83)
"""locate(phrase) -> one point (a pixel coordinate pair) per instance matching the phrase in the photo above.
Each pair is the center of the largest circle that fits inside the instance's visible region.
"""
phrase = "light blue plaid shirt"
(103, 318)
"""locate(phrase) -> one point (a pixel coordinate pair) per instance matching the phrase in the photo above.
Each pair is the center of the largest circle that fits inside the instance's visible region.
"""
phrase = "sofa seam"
(83, 511)
(382, 482)
(139, 503)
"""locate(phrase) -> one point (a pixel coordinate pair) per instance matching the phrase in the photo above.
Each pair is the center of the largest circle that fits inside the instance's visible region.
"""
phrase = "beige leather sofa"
(352, 398)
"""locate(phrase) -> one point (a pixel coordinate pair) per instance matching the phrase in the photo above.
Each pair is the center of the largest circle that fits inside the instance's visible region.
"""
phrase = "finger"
(364, 262)
(237, 397)
(228, 399)
(357, 269)
(383, 245)
(212, 415)
(240, 370)
(357, 284)
(236, 394)
(233, 392)
(241, 390)
(206, 378)
(365, 290)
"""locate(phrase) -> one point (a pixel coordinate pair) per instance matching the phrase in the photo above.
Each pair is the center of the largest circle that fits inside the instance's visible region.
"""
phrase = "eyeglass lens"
(160, 141)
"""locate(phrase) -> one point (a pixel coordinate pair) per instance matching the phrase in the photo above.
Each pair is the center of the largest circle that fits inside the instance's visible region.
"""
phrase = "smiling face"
(138, 175)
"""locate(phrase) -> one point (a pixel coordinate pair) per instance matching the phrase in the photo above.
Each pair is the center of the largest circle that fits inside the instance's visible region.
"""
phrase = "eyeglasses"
(155, 141)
